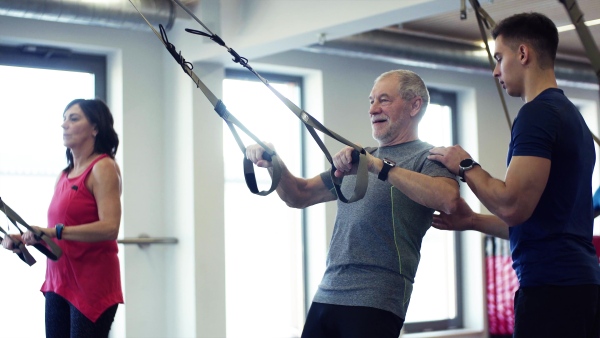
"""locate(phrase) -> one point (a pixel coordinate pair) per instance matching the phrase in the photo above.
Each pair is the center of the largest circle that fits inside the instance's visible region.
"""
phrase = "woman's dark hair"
(99, 115)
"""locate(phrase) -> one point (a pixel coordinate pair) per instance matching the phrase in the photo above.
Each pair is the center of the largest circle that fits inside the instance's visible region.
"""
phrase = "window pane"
(436, 125)
(263, 242)
(32, 102)
(435, 279)
(31, 156)
(435, 282)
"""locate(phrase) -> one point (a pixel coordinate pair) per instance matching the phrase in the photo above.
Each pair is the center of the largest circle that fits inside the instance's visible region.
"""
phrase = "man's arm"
(299, 192)
(512, 200)
(438, 193)
(296, 192)
(491, 225)
(515, 199)
(465, 219)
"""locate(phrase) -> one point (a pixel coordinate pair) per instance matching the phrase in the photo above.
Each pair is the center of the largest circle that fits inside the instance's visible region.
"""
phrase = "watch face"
(389, 162)
(466, 162)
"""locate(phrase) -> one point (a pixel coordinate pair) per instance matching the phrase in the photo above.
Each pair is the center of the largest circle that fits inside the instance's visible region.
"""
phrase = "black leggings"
(63, 320)
(331, 321)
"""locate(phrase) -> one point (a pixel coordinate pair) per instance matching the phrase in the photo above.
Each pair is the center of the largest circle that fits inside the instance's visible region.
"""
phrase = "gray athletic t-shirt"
(374, 249)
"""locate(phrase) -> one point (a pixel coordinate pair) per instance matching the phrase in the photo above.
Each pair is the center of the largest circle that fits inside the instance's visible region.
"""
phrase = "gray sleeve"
(436, 169)
(326, 177)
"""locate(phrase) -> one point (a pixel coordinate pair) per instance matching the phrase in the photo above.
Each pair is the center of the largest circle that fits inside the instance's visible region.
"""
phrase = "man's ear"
(524, 54)
(417, 102)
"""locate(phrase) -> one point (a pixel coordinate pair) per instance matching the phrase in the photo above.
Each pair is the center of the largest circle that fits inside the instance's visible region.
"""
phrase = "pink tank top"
(88, 274)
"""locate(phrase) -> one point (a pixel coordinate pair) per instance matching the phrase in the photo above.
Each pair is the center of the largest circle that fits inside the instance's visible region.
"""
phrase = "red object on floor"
(502, 283)
(596, 241)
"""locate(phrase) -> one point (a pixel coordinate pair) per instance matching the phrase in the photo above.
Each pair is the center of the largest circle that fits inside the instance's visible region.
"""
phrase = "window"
(437, 280)
(263, 237)
(35, 87)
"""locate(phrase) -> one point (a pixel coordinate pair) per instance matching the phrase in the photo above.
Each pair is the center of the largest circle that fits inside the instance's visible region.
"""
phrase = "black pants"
(63, 320)
(557, 312)
(331, 321)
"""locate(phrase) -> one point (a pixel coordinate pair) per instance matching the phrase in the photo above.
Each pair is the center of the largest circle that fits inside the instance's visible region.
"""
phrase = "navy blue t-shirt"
(554, 246)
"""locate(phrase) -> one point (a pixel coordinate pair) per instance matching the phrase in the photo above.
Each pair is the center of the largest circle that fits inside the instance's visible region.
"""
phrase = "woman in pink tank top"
(83, 287)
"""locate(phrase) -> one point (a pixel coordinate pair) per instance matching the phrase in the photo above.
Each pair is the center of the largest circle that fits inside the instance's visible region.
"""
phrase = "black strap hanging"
(591, 49)
(358, 155)
(231, 121)
(483, 18)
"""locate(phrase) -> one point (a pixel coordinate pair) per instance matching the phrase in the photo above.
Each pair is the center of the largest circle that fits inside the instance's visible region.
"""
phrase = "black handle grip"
(355, 156)
(267, 157)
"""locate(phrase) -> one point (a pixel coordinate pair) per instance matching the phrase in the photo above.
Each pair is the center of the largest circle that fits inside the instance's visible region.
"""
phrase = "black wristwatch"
(465, 165)
(387, 165)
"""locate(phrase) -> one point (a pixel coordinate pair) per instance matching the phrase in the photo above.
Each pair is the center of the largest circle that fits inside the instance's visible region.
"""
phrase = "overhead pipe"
(438, 53)
(115, 14)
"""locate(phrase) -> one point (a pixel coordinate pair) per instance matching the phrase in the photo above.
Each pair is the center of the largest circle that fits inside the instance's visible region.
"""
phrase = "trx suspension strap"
(358, 155)
(483, 18)
(52, 251)
(591, 49)
(231, 121)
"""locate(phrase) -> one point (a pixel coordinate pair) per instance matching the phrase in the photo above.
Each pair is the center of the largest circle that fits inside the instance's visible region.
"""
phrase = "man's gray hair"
(409, 85)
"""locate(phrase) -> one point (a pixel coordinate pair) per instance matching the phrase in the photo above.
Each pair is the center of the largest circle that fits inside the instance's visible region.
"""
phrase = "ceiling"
(425, 31)
(450, 26)
(442, 40)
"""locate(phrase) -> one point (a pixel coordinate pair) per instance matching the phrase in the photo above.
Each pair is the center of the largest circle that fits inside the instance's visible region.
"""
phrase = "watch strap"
(59, 230)
(387, 166)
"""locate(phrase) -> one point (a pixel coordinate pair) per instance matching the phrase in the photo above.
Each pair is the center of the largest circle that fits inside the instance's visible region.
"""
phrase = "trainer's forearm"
(491, 225)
